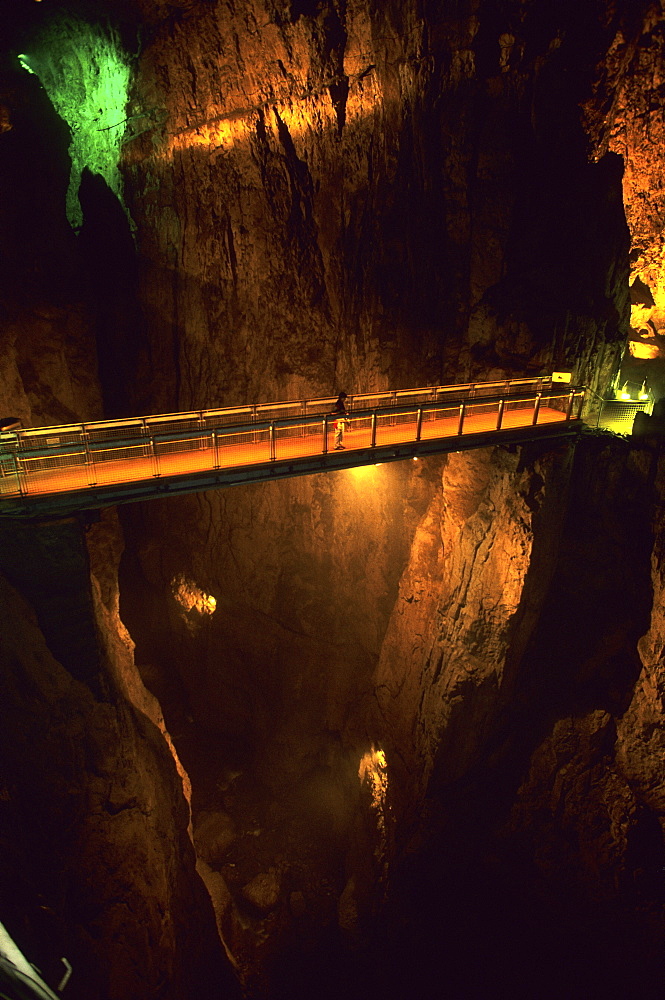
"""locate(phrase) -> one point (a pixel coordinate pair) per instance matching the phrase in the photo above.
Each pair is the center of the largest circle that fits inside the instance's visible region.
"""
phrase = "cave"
(384, 732)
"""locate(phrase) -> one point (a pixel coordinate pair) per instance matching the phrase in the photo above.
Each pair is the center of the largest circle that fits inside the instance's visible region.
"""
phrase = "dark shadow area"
(38, 246)
(502, 903)
(109, 266)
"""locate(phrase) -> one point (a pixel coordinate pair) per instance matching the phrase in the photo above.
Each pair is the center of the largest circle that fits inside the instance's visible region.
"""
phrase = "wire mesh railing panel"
(178, 445)
(618, 415)
(480, 410)
(52, 472)
(172, 425)
(56, 461)
(480, 390)
(373, 401)
(113, 430)
(395, 428)
(415, 398)
(31, 442)
(221, 418)
(178, 456)
(358, 433)
(520, 404)
(126, 463)
(123, 452)
(9, 478)
(278, 411)
(297, 440)
(245, 448)
(439, 422)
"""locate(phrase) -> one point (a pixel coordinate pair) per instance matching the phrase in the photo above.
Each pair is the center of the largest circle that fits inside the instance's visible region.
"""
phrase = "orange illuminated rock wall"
(98, 864)
(518, 689)
(626, 116)
(409, 691)
(349, 195)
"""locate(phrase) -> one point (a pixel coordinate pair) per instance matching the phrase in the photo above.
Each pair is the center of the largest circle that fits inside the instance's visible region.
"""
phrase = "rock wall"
(526, 726)
(366, 195)
(97, 861)
(625, 115)
(352, 195)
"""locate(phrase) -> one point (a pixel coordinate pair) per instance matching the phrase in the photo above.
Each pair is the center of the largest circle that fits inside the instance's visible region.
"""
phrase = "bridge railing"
(97, 453)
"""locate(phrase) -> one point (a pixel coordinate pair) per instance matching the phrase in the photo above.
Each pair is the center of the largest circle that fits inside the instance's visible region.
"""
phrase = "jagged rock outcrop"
(467, 605)
(382, 196)
(356, 195)
(527, 726)
(97, 861)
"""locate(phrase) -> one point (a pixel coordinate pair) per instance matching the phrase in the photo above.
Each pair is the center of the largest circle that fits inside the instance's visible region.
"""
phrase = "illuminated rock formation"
(409, 699)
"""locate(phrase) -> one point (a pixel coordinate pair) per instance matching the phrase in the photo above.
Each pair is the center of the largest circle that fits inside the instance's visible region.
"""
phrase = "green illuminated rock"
(86, 73)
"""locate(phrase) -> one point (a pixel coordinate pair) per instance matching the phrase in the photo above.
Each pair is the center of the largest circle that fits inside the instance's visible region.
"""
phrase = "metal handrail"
(353, 403)
(51, 450)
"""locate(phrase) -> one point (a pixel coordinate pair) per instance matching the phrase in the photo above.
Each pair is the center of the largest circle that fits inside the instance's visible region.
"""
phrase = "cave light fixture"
(24, 63)
(625, 393)
(362, 471)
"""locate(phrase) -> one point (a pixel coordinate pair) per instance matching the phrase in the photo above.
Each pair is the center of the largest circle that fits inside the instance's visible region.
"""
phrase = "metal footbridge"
(54, 471)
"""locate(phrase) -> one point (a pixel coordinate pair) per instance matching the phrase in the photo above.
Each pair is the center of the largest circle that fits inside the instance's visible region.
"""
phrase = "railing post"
(215, 450)
(419, 423)
(499, 419)
(325, 434)
(581, 406)
(273, 453)
(21, 475)
(89, 462)
(145, 434)
(154, 455)
(536, 408)
(462, 414)
(569, 408)
(372, 442)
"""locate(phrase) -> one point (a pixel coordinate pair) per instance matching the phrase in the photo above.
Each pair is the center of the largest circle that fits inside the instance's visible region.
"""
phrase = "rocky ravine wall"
(293, 234)
(97, 862)
(368, 194)
(483, 786)
(521, 717)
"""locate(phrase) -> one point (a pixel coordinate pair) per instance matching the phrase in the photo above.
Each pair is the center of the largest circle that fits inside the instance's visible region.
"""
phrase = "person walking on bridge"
(341, 415)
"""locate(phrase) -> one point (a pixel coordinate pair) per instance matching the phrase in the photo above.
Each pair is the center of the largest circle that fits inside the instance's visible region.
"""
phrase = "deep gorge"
(394, 731)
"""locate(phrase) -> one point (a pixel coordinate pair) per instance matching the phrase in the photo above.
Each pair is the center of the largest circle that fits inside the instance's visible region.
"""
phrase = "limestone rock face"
(48, 351)
(365, 194)
(464, 611)
(626, 116)
(97, 862)
(424, 679)
(530, 744)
